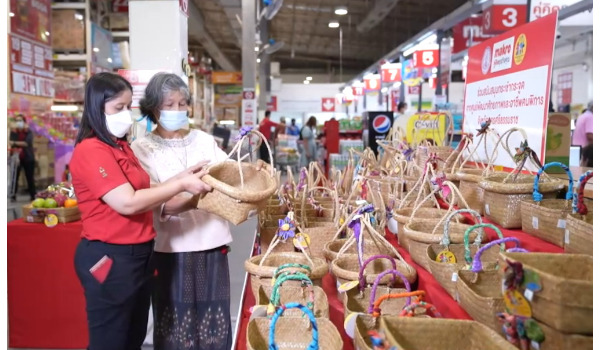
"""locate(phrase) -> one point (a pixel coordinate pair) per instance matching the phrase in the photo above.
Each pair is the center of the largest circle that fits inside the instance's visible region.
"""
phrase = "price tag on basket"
(446, 256)
(344, 287)
(517, 304)
(51, 220)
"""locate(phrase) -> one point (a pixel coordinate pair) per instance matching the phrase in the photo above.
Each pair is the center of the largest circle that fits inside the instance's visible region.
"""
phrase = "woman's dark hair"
(160, 85)
(312, 122)
(101, 88)
(401, 105)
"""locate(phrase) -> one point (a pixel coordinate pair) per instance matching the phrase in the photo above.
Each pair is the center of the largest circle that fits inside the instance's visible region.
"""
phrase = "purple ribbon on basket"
(243, 132)
(287, 229)
(477, 265)
(394, 273)
(408, 153)
(302, 180)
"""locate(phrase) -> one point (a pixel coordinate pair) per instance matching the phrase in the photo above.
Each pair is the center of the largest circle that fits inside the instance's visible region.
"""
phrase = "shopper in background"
(587, 156)
(191, 291)
(265, 128)
(293, 129)
(583, 135)
(282, 126)
(114, 258)
(308, 144)
(401, 118)
(21, 141)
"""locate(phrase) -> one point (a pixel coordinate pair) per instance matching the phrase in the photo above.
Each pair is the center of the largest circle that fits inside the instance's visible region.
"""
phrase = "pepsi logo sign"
(381, 124)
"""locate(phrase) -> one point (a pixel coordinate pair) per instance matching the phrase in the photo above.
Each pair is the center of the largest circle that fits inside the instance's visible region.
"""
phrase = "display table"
(435, 294)
(46, 306)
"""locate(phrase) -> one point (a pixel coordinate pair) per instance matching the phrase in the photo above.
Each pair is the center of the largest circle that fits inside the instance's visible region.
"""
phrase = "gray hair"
(159, 86)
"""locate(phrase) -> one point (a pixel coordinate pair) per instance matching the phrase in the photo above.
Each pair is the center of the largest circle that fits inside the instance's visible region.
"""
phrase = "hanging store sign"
(427, 126)
(31, 67)
(445, 61)
(541, 8)
(468, 33)
(328, 104)
(226, 77)
(508, 83)
(358, 90)
(272, 104)
(373, 83)
(248, 107)
(391, 72)
(502, 15)
(426, 58)
(565, 88)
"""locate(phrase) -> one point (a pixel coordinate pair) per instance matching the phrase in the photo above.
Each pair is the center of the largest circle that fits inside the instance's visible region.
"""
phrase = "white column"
(158, 34)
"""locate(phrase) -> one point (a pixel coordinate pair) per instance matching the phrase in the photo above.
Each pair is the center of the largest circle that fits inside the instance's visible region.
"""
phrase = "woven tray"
(37, 215)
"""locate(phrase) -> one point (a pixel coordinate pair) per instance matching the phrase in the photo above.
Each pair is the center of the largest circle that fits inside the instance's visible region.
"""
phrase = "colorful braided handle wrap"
(376, 307)
(537, 196)
(468, 231)
(578, 204)
(477, 266)
(296, 276)
(291, 265)
(378, 280)
(361, 272)
(409, 310)
(446, 237)
(314, 344)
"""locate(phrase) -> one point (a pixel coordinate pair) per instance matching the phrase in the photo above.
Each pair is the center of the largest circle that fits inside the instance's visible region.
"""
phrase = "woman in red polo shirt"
(113, 259)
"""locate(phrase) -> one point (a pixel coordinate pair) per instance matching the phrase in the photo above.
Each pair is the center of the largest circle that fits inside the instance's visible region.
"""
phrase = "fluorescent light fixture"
(109, 60)
(341, 10)
(95, 49)
(79, 16)
(309, 78)
(384, 90)
(64, 108)
(227, 122)
(306, 82)
(258, 60)
(256, 49)
(11, 14)
(397, 85)
(334, 24)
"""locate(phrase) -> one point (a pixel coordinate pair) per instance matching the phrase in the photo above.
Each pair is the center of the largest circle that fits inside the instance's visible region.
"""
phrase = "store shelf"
(120, 34)
(68, 6)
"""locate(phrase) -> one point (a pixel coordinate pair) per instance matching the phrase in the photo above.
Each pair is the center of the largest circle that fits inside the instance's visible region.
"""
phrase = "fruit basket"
(53, 205)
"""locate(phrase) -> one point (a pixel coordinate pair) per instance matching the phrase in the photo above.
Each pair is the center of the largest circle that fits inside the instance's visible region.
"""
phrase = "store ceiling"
(312, 46)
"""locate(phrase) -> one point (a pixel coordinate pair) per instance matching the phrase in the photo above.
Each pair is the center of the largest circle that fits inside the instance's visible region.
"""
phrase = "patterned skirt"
(191, 301)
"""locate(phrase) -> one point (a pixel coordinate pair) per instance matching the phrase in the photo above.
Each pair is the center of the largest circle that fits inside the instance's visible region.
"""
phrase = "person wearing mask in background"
(191, 294)
(583, 135)
(113, 260)
(308, 143)
(401, 118)
(293, 129)
(21, 141)
(265, 128)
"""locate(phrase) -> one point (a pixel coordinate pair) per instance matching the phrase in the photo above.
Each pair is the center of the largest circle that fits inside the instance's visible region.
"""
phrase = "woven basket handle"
(245, 134)
(276, 296)
(332, 194)
(537, 196)
(505, 135)
(477, 265)
(446, 237)
(376, 285)
(409, 310)
(291, 266)
(579, 206)
(314, 344)
(361, 271)
(455, 197)
(479, 238)
(376, 306)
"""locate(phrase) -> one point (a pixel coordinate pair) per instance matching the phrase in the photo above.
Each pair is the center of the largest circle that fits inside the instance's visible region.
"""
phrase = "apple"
(38, 203)
(50, 203)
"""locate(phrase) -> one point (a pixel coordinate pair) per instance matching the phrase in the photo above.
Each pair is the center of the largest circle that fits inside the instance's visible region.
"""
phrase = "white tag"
(361, 202)
(338, 284)
(534, 223)
(487, 209)
(455, 277)
(528, 294)
(457, 297)
(561, 223)
(29, 218)
(567, 238)
(252, 213)
(535, 345)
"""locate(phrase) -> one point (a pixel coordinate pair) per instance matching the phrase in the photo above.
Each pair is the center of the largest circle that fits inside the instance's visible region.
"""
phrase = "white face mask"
(173, 120)
(119, 124)
(20, 124)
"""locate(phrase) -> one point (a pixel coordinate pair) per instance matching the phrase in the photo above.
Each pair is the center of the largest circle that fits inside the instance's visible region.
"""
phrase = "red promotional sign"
(358, 91)
(272, 104)
(426, 58)
(468, 33)
(391, 73)
(565, 88)
(328, 104)
(31, 20)
(120, 5)
(414, 90)
(508, 83)
(395, 97)
(502, 15)
(373, 83)
(31, 67)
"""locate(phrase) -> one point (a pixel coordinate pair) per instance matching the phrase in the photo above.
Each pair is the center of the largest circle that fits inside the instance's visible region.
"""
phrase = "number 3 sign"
(426, 58)
(501, 15)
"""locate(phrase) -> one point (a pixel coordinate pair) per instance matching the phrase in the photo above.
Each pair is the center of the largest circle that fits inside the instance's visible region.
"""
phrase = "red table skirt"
(46, 306)
(435, 294)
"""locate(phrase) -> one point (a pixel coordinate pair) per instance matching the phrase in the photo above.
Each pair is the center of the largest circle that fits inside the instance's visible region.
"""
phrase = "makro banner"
(427, 126)
(508, 82)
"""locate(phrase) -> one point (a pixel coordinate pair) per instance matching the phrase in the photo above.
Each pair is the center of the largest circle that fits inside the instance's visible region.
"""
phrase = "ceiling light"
(306, 82)
(397, 85)
(309, 78)
(79, 16)
(256, 48)
(341, 10)
(109, 60)
(384, 90)
(47, 33)
(64, 108)
(95, 49)
(11, 14)
(258, 60)
(227, 122)
(434, 70)
(334, 24)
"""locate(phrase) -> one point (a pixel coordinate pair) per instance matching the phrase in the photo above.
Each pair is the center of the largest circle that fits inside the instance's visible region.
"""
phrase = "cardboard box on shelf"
(68, 31)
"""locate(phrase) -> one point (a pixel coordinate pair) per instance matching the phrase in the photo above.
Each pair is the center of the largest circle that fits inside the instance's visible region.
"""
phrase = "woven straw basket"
(239, 190)
(436, 333)
(370, 248)
(479, 291)
(579, 232)
(502, 200)
(293, 332)
(469, 187)
(555, 340)
(320, 233)
(262, 274)
(403, 215)
(565, 301)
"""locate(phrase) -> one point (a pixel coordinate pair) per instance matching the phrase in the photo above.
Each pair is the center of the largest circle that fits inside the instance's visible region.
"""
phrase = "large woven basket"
(293, 332)
(262, 274)
(479, 291)
(239, 189)
(370, 248)
(579, 232)
(436, 333)
(403, 215)
(320, 232)
(555, 340)
(469, 187)
(502, 200)
(565, 301)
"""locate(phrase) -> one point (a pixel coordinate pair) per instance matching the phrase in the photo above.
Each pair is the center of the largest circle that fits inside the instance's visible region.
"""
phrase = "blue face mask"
(173, 120)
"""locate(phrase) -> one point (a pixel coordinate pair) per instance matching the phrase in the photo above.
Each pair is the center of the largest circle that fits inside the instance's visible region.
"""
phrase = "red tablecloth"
(46, 307)
(435, 294)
